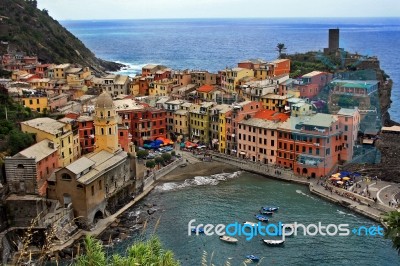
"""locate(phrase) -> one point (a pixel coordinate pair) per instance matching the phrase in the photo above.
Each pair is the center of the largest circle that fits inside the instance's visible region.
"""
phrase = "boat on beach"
(274, 243)
(229, 239)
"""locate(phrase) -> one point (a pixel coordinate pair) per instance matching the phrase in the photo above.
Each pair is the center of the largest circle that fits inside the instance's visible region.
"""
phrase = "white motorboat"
(228, 239)
(274, 242)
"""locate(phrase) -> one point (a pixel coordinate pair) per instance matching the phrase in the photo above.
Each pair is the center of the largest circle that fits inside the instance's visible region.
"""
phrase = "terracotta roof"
(271, 115)
(205, 88)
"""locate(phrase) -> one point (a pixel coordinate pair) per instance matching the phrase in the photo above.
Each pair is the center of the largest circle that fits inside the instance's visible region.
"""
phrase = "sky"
(150, 9)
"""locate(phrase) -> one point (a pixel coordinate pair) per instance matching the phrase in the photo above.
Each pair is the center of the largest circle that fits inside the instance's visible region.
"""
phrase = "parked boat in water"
(270, 209)
(261, 218)
(229, 239)
(250, 223)
(198, 230)
(266, 212)
(274, 243)
(253, 258)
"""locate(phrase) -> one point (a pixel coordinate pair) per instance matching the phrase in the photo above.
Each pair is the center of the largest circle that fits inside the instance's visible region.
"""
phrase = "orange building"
(310, 145)
(280, 67)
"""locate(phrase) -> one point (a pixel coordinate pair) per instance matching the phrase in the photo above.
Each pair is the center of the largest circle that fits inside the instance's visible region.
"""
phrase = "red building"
(86, 133)
(124, 137)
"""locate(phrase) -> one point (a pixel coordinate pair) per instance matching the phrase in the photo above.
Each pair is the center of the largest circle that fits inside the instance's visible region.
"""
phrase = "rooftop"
(347, 111)
(104, 161)
(84, 118)
(254, 61)
(316, 120)
(261, 123)
(312, 74)
(80, 165)
(62, 66)
(277, 61)
(271, 115)
(274, 96)
(40, 150)
(45, 124)
(205, 88)
(127, 104)
(73, 70)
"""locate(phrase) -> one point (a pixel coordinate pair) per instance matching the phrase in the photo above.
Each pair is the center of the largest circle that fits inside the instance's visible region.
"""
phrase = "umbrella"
(346, 178)
(334, 178)
(340, 182)
(336, 175)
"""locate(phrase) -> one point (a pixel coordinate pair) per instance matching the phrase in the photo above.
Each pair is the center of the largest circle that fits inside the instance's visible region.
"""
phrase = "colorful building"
(55, 131)
(257, 136)
(205, 92)
(240, 111)
(200, 78)
(181, 121)
(230, 77)
(200, 122)
(350, 124)
(36, 103)
(312, 83)
(218, 125)
(28, 170)
(310, 145)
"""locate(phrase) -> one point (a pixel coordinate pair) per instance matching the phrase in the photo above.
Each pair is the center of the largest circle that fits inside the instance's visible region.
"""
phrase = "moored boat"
(266, 212)
(251, 223)
(229, 239)
(274, 243)
(253, 258)
(261, 218)
(270, 209)
(198, 230)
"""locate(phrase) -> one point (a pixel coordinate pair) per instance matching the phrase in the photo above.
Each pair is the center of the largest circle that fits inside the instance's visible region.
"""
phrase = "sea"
(214, 44)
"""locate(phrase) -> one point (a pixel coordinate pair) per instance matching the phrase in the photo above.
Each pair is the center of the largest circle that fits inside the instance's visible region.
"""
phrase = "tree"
(142, 154)
(145, 253)
(167, 157)
(150, 164)
(392, 219)
(159, 160)
(19, 141)
(280, 47)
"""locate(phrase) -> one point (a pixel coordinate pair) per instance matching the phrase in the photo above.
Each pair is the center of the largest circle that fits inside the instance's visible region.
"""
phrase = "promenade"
(383, 191)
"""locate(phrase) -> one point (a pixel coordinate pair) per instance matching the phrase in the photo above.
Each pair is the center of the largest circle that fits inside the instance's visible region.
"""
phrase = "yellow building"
(200, 122)
(134, 86)
(162, 87)
(274, 102)
(40, 83)
(230, 77)
(218, 126)
(39, 104)
(53, 130)
(106, 124)
(60, 71)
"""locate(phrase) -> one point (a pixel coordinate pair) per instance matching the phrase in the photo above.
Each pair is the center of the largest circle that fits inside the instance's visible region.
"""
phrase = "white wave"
(304, 194)
(129, 69)
(345, 213)
(212, 180)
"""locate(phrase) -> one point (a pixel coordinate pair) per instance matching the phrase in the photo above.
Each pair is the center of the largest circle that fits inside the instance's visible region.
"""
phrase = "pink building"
(312, 83)
(243, 110)
(257, 136)
(350, 124)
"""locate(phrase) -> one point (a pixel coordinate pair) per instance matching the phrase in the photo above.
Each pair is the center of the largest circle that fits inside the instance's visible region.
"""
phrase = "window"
(346, 128)
(121, 134)
(310, 150)
(92, 190)
(109, 131)
(100, 185)
(66, 176)
(272, 143)
(328, 151)
(345, 137)
(102, 131)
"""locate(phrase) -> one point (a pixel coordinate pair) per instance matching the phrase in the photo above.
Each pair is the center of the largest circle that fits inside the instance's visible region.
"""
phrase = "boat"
(270, 209)
(251, 224)
(266, 212)
(228, 239)
(198, 230)
(253, 258)
(261, 218)
(274, 243)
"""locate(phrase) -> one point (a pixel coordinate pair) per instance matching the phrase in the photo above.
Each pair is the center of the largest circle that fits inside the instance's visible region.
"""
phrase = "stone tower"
(106, 124)
(333, 39)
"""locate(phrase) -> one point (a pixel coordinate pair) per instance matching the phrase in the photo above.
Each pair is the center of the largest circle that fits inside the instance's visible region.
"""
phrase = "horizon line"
(220, 18)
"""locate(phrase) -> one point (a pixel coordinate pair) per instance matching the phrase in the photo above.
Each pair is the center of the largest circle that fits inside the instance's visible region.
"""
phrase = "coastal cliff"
(25, 28)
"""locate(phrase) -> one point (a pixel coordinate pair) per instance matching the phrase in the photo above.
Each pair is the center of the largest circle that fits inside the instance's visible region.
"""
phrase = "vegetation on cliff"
(23, 27)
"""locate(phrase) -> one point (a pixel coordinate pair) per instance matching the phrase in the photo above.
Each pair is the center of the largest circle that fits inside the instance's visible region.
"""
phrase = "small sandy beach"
(198, 169)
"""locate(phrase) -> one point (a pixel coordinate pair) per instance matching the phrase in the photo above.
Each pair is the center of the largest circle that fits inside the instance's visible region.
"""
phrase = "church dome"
(104, 101)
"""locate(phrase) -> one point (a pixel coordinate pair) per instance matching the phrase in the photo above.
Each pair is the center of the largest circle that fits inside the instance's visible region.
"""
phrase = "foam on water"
(298, 191)
(212, 180)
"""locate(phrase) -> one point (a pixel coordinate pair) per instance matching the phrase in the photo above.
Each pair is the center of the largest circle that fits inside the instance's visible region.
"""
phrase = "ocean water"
(214, 44)
(228, 198)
